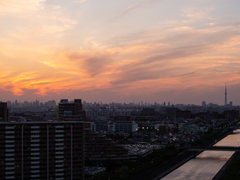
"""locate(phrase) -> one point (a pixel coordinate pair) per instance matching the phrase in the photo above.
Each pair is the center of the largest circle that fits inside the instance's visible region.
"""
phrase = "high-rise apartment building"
(3, 112)
(42, 150)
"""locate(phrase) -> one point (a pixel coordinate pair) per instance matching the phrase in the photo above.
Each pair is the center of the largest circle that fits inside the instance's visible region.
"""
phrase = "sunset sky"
(182, 51)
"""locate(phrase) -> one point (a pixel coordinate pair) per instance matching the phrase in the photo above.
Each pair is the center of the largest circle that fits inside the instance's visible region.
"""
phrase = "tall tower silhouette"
(225, 94)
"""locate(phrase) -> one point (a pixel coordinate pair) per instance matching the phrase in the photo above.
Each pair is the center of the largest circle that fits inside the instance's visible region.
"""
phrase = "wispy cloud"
(135, 6)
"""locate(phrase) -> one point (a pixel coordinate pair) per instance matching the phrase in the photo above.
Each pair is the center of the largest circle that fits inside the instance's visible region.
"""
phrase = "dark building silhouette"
(3, 112)
(231, 114)
(41, 150)
(172, 111)
(149, 112)
(70, 111)
(184, 114)
(122, 118)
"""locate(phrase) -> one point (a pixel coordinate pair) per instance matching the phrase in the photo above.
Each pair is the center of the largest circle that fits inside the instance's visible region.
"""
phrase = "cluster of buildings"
(54, 142)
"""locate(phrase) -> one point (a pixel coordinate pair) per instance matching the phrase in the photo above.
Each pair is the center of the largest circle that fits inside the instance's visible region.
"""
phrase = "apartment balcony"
(59, 131)
(35, 158)
(34, 145)
(59, 126)
(59, 170)
(59, 135)
(35, 149)
(35, 136)
(35, 175)
(9, 145)
(35, 131)
(12, 154)
(59, 165)
(35, 140)
(59, 161)
(59, 152)
(59, 157)
(35, 167)
(9, 132)
(9, 137)
(9, 127)
(35, 162)
(9, 159)
(35, 171)
(9, 141)
(35, 127)
(9, 173)
(9, 164)
(57, 178)
(59, 139)
(59, 174)
(9, 150)
(9, 168)
(9, 177)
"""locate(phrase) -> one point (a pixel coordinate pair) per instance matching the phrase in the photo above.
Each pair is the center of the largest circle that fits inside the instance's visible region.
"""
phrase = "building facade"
(125, 126)
(68, 111)
(41, 150)
(3, 112)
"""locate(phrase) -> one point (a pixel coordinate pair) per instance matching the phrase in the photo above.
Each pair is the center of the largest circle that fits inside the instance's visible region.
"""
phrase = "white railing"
(9, 150)
(9, 137)
(35, 162)
(9, 141)
(59, 152)
(35, 131)
(59, 144)
(9, 132)
(59, 157)
(59, 126)
(34, 145)
(9, 168)
(35, 149)
(9, 159)
(59, 131)
(35, 127)
(9, 127)
(9, 145)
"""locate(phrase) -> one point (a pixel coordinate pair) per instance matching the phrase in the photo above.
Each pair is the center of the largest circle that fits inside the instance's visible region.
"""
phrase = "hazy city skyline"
(120, 51)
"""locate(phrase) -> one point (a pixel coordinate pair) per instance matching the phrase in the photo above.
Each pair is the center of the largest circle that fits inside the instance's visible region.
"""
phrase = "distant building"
(164, 129)
(171, 111)
(149, 112)
(70, 111)
(184, 114)
(100, 126)
(3, 112)
(125, 126)
(122, 118)
(204, 104)
(231, 114)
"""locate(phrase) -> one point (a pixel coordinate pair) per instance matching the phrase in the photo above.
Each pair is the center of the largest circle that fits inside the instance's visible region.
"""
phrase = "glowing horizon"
(120, 51)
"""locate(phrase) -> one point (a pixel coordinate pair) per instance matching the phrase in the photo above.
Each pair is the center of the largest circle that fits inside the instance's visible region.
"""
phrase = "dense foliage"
(129, 169)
